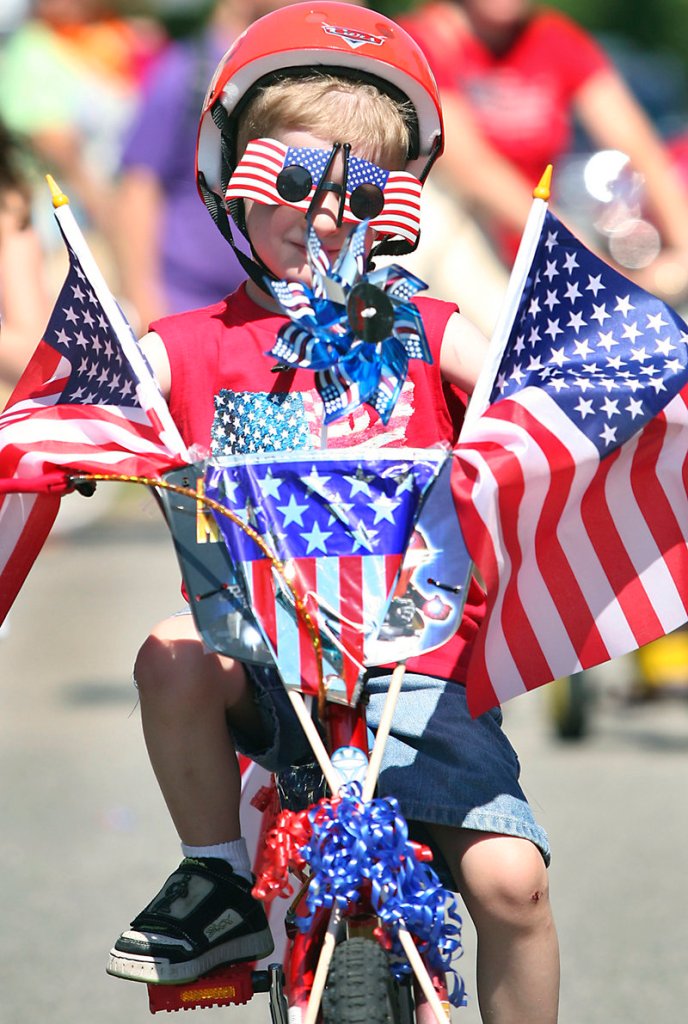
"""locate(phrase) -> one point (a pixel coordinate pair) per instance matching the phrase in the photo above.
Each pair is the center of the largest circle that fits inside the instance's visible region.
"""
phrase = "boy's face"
(278, 233)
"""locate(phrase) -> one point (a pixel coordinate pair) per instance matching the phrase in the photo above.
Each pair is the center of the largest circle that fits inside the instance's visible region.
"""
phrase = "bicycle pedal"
(225, 986)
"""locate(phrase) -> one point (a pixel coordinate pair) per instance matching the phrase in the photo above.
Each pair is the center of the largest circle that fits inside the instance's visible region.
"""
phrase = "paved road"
(85, 839)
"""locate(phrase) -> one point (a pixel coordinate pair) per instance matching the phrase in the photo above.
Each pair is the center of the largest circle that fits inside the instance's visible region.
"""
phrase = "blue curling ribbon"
(322, 335)
(358, 847)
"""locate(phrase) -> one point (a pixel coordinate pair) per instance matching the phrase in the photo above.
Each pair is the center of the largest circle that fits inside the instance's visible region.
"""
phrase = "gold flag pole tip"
(544, 186)
(58, 196)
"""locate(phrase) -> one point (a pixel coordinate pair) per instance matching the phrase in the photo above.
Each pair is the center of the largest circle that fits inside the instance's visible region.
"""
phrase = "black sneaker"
(203, 917)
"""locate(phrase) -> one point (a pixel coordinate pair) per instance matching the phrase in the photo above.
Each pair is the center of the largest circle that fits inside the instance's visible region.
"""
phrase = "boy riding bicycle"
(343, 96)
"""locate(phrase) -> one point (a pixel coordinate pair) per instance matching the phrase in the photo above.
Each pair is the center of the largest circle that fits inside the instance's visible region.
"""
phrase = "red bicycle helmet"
(339, 38)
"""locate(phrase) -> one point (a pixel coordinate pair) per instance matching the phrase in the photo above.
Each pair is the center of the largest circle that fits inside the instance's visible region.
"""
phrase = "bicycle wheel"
(360, 988)
(569, 706)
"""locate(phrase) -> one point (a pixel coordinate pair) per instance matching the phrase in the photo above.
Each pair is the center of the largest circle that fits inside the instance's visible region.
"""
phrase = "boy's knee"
(153, 662)
(511, 885)
(521, 897)
(168, 660)
(173, 664)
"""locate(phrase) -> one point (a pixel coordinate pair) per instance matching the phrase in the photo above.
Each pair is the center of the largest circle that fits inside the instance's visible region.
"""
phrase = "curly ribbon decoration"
(284, 842)
(355, 848)
(356, 330)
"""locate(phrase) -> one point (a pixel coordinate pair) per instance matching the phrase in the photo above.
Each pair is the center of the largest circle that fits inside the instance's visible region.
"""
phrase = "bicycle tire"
(360, 988)
(569, 703)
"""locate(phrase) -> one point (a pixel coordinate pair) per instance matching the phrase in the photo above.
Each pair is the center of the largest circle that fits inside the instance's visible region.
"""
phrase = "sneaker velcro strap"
(195, 896)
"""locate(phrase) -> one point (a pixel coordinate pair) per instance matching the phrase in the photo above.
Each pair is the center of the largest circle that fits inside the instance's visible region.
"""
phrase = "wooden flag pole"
(382, 733)
(332, 776)
(519, 274)
(321, 971)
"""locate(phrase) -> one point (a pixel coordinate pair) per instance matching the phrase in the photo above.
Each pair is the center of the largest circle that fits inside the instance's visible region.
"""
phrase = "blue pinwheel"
(355, 330)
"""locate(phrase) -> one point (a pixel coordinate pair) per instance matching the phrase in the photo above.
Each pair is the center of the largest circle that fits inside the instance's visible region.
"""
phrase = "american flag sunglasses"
(272, 173)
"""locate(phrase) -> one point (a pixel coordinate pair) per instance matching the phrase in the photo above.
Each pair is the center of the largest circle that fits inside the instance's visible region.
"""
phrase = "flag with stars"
(573, 492)
(334, 527)
(87, 401)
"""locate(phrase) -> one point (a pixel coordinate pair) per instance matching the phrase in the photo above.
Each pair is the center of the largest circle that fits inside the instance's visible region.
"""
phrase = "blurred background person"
(70, 75)
(24, 298)
(69, 79)
(514, 76)
(171, 255)
(12, 13)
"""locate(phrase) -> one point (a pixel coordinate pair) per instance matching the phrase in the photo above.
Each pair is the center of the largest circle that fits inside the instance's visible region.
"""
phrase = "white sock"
(235, 853)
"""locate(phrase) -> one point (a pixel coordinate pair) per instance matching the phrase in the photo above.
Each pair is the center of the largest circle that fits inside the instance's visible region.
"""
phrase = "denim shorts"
(443, 766)
(288, 745)
(447, 768)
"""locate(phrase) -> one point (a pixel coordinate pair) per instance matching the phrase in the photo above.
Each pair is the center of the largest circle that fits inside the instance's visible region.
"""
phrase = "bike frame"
(290, 985)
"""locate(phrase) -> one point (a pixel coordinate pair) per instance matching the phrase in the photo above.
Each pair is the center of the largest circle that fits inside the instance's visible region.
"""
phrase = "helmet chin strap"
(255, 268)
(400, 247)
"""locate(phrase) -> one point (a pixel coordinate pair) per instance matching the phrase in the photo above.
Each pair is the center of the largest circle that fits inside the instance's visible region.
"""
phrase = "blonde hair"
(336, 110)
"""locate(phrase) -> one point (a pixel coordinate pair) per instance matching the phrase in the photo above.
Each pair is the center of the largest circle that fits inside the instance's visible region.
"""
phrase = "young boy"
(337, 85)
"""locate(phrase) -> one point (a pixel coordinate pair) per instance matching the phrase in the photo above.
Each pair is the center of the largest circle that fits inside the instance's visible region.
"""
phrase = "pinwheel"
(356, 330)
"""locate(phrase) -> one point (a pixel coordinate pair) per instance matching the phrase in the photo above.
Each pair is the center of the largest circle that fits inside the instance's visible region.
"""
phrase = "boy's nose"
(325, 209)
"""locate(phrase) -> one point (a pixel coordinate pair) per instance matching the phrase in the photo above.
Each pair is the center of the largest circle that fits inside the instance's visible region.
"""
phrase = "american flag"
(256, 174)
(86, 401)
(573, 492)
(340, 524)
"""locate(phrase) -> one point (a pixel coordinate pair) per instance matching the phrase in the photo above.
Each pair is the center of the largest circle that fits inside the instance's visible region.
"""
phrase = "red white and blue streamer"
(356, 849)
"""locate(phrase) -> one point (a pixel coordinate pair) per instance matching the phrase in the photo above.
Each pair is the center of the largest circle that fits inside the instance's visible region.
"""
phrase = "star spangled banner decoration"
(339, 524)
(247, 421)
(87, 401)
(573, 498)
(357, 331)
(257, 174)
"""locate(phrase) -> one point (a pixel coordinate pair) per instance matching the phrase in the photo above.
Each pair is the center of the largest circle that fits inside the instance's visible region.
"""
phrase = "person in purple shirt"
(171, 256)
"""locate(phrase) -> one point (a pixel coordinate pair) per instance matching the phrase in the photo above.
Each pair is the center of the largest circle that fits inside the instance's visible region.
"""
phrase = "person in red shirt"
(513, 75)
(24, 291)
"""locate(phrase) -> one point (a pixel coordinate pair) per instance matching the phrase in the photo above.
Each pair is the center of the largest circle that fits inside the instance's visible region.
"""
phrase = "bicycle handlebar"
(57, 482)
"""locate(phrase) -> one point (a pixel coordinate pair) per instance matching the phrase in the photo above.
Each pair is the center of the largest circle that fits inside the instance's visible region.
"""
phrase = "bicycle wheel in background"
(568, 704)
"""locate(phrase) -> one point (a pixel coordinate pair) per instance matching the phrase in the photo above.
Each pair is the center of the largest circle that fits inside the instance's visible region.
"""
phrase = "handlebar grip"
(45, 483)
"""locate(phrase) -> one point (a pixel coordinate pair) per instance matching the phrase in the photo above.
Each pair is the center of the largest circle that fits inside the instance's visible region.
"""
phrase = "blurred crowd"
(105, 95)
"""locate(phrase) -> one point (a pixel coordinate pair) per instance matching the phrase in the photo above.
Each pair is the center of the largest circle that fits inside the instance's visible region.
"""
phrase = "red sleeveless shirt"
(226, 398)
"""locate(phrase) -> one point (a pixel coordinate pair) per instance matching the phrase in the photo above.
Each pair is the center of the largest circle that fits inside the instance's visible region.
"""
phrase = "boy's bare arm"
(462, 353)
(155, 352)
